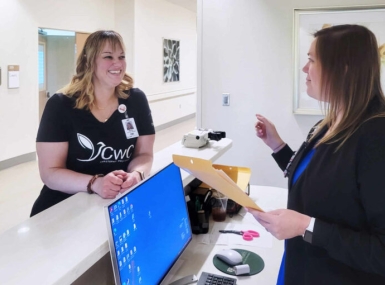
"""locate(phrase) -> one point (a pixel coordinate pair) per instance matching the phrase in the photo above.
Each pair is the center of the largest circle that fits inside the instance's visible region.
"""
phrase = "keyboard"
(213, 279)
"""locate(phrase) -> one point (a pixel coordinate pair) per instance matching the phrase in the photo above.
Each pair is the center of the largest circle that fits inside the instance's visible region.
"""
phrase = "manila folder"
(217, 179)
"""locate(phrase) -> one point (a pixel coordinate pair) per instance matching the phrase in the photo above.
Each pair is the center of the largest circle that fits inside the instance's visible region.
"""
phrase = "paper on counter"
(265, 239)
(216, 179)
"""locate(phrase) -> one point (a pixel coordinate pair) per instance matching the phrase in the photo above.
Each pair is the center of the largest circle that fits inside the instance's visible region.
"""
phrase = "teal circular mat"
(255, 262)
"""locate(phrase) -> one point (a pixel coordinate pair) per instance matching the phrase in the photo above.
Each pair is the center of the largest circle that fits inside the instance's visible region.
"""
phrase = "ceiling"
(188, 4)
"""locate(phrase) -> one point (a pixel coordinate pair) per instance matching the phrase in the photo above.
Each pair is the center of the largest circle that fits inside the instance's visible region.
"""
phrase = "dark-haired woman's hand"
(282, 223)
(267, 132)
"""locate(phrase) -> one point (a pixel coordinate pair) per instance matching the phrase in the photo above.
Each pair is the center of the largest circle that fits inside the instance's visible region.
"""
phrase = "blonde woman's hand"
(131, 179)
(109, 186)
(267, 132)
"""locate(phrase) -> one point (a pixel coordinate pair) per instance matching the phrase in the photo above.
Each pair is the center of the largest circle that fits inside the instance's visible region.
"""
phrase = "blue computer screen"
(150, 228)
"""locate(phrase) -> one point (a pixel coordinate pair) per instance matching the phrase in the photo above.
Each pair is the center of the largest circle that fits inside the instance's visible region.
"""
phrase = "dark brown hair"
(350, 78)
(81, 85)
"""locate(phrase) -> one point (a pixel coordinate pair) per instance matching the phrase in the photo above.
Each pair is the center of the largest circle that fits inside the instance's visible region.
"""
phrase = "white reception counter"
(60, 244)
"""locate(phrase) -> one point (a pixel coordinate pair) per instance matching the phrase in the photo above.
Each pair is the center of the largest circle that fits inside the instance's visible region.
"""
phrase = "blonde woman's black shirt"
(94, 147)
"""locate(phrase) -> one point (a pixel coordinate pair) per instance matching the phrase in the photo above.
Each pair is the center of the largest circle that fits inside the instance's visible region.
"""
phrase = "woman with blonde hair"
(334, 224)
(82, 142)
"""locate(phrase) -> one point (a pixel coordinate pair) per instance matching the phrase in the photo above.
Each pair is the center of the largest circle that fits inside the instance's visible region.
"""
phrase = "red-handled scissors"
(247, 235)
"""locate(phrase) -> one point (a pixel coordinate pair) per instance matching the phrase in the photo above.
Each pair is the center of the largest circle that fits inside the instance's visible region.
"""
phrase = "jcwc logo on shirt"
(106, 153)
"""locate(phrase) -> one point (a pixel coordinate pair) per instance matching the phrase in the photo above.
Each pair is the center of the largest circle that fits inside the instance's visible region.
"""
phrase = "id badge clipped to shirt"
(129, 128)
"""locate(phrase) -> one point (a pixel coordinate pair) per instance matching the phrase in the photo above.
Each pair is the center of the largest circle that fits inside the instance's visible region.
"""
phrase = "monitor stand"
(185, 280)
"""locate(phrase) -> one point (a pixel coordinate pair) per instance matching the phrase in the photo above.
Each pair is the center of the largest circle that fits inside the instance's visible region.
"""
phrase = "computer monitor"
(148, 228)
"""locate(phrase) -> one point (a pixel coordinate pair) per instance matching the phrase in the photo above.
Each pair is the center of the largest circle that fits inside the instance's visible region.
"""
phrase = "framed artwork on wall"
(307, 22)
(171, 60)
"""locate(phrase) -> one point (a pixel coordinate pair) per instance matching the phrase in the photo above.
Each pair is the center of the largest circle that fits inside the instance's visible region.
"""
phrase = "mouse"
(230, 256)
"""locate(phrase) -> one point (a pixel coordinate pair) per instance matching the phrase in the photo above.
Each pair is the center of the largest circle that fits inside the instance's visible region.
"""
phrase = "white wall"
(245, 49)
(142, 24)
(124, 25)
(19, 22)
(155, 20)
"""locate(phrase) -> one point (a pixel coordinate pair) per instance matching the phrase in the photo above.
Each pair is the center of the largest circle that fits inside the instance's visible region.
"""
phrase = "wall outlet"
(226, 99)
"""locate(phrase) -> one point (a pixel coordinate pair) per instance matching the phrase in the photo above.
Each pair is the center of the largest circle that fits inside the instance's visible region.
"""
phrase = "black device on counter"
(216, 135)
(199, 208)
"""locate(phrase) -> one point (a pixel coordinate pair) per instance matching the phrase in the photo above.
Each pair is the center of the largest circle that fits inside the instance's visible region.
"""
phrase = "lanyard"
(303, 147)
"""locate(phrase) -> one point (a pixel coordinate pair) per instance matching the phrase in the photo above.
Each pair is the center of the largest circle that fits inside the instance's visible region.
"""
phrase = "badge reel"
(129, 125)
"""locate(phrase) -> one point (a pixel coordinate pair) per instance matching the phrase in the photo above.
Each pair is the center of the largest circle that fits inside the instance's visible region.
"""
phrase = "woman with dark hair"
(83, 144)
(334, 225)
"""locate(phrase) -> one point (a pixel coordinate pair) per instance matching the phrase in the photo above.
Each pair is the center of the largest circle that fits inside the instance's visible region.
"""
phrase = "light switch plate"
(226, 99)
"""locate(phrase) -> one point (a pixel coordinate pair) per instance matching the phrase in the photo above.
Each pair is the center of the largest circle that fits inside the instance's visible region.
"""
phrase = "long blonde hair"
(81, 86)
(350, 79)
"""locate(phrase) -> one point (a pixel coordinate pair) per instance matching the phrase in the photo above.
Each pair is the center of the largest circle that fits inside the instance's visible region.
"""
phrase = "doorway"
(42, 74)
(58, 52)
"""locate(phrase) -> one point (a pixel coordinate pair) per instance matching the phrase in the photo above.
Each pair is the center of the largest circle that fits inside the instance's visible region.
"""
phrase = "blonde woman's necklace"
(101, 109)
(106, 119)
(106, 114)
(97, 107)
